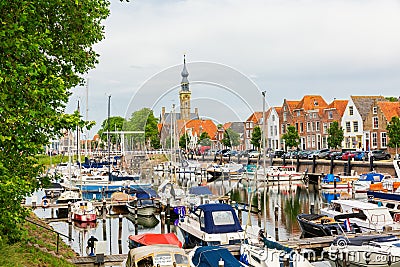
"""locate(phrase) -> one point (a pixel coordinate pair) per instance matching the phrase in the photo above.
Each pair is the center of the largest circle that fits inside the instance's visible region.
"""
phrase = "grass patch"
(37, 248)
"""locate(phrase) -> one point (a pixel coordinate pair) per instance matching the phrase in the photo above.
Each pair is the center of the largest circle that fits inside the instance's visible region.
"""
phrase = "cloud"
(290, 48)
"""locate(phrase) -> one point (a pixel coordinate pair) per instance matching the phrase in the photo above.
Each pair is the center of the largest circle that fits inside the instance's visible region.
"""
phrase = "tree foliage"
(205, 139)
(393, 129)
(46, 48)
(184, 141)
(116, 124)
(335, 135)
(144, 120)
(256, 137)
(231, 138)
(291, 137)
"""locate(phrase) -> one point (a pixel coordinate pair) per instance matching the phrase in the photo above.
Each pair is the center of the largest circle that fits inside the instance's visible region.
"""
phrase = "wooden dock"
(109, 260)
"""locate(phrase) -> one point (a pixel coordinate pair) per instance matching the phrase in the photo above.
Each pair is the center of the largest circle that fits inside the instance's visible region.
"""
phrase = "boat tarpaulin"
(219, 218)
(200, 190)
(209, 256)
(156, 239)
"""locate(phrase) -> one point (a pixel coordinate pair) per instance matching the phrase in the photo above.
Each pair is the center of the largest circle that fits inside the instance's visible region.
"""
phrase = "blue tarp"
(209, 256)
(228, 220)
(330, 178)
(200, 190)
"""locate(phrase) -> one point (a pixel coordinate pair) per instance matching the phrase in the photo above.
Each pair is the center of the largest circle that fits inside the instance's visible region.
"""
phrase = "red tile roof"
(390, 109)
(310, 102)
(205, 126)
(339, 105)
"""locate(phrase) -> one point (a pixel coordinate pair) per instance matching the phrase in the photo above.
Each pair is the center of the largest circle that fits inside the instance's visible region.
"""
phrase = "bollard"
(162, 219)
(104, 230)
(221, 263)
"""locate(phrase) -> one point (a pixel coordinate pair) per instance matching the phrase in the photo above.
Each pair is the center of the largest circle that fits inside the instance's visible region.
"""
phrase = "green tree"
(46, 48)
(184, 141)
(391, 98)
(256, 137)
(231, 138)
(204, 139)
(116, 124)
(144, 120)
(393, 129)
(291, 137)
(335, 135)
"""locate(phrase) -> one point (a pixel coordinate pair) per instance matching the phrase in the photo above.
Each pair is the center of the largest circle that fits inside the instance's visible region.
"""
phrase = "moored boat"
(83, 211)
(314, 225)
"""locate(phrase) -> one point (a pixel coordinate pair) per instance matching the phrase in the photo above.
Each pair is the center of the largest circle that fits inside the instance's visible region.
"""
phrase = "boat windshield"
(223, 217)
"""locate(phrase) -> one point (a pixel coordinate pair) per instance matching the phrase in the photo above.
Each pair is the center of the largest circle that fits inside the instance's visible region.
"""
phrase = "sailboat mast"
(87, 116)
(108, 139)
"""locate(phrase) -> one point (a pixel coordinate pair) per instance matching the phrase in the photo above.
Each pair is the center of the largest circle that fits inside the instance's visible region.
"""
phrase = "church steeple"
(185, 74)
(185, 94)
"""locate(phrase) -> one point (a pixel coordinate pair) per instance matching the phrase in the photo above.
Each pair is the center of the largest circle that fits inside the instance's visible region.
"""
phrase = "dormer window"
(330, 114)
(273, 117)
(375, 110)
(351, 112)
(284, 108)
(315, 103)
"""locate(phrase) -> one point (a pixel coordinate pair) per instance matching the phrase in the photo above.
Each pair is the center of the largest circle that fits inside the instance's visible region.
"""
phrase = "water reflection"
(287, 199)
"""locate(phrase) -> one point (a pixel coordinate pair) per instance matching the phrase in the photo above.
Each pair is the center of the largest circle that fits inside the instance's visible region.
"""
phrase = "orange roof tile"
(255, 117)
(197, 127)
(310, 102)
(339, 105)
(278, 110)
(227, 125)
(292, 104)
(390, 109)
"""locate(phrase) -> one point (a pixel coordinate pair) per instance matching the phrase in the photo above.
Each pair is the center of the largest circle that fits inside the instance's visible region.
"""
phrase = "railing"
(49, 229)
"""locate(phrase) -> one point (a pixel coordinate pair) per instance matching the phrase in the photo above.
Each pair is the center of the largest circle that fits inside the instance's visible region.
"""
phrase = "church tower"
(184, 93)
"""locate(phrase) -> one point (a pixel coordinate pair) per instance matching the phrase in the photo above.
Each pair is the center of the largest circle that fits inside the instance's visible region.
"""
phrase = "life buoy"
(45, 203)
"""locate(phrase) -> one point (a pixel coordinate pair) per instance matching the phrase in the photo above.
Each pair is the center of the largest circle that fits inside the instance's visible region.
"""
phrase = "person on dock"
(90, 244)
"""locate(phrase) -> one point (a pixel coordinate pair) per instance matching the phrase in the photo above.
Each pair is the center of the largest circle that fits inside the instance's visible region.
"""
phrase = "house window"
(298, 113)
(283, 128)
(375, 110)
(284, 108)
(330, 115)
(308, 141)
(313, 126)
(297, 127)
(355, 126)
(375, 122)
(317, 126)
(275, 130)
(308, 127)
(315, 115)
(348, 127)
(284, 116)
(348, 142)
(325, 128)
(313, 140)
(374, 139)
(273, 117)
(383, 139)
(271, 128)
(301, 127)
(351, 112)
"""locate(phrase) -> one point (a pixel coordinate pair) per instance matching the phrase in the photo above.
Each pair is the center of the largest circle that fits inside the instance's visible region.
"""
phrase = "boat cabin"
(157, 255)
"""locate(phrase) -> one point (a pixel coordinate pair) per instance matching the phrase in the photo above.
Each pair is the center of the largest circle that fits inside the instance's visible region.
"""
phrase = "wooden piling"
(168, 215)
(162, 219)
(104, 209)
(276, 210)
(120, 234)
(136, 216)
(69, 213)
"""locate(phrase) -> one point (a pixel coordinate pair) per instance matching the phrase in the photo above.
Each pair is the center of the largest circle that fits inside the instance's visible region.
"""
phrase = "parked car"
(348, 154)
(323, 153)
(245, 153)
(277, 153)
(222, 152)
(231, 153)
(361, 155)
(335, 155)
(380, 154)
(254, 154)
(290, 155)
(304, 154)
(312, 154)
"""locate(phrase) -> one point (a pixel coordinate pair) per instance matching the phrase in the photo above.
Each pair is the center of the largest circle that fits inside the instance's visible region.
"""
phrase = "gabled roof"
(339, 105)
(311, 102)
(292, 104)
(198, 126)
(278, 110)
(364, 103)
(236, 126)
(255, 117)
(390, 109)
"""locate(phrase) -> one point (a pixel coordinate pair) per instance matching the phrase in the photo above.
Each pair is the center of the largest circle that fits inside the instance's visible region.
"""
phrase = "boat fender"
(45, 203)
(367, 257)
(389, 259)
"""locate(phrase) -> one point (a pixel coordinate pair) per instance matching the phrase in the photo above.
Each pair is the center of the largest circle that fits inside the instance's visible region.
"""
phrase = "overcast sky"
(287, 48)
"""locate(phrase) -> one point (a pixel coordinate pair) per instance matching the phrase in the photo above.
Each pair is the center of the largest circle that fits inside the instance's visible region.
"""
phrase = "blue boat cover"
(371, 177)
(209, 256)
(219, 218)
(200, 190)
(330, 178)
(144, 193)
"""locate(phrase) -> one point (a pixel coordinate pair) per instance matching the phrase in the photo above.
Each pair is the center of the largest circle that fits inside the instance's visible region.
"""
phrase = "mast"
(108, 139)
(87, 116)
